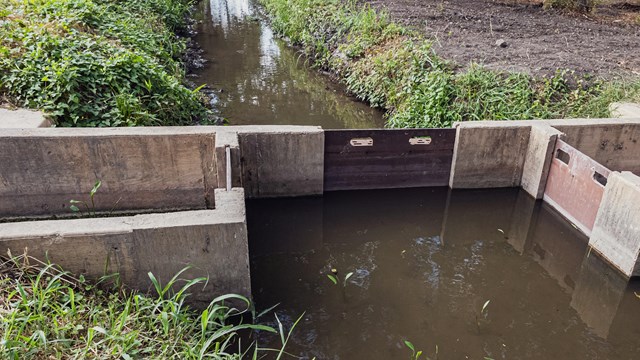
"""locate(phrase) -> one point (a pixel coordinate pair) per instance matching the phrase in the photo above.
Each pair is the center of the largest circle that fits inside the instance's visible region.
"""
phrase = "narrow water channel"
(424, 262)
(258, 80)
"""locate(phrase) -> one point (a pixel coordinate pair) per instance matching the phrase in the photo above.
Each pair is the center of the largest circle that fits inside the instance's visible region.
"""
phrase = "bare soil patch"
(523, 36)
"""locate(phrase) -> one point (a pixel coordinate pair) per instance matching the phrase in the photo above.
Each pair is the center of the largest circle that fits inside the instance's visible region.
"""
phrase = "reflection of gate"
(575, 186)
(378, 159)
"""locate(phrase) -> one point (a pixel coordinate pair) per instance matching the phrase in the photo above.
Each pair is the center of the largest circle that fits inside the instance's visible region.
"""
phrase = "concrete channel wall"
(212, 242)
(180, 173)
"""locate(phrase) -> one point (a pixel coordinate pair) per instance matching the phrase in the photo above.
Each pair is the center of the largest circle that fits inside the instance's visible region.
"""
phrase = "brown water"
(424, 262)
(258, 80)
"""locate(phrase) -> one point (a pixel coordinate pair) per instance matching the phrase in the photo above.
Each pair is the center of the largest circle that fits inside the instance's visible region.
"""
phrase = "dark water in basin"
(424, 262)
(260, 81)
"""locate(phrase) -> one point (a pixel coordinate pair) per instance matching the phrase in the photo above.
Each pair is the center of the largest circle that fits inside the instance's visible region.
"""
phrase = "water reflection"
(425, 262)
(258, 80)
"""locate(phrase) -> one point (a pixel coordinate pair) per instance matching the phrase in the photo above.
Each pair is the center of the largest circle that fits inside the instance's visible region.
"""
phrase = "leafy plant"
(91, 206)
(334, 277)
(98, 62)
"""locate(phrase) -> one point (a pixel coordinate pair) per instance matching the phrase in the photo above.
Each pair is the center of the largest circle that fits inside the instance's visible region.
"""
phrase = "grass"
(396, 69)
(98, 62)
(46, 313)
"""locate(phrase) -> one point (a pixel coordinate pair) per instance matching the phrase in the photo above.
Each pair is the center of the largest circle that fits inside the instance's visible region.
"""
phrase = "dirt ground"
(534, 40)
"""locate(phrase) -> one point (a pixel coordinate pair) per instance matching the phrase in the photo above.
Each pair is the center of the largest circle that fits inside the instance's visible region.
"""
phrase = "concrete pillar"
(281, 160)
(489, 155)
(542, 141)
(616, 233)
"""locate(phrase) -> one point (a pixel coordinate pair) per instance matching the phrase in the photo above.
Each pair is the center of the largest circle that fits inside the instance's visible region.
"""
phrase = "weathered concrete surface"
(140, 168)
(616, 233)
(22, 119)
(542, 140)
(213, 242)
(614, 145)
(281, 160)
(488, 156)
(624, 110)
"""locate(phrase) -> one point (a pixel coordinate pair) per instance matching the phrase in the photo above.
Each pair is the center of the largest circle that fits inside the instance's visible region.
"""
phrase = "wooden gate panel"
(575, 185)
(383, 158)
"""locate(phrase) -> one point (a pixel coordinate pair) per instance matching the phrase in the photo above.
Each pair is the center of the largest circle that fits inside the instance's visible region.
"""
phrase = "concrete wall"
(616, 146)
(214, 242)
(281, 160)
(616, 233)
(487, 156)
(140, 168)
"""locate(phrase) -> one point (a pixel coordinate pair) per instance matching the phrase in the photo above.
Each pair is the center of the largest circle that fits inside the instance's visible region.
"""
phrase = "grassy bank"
(97, 62)
(395, 69)
(45, 313)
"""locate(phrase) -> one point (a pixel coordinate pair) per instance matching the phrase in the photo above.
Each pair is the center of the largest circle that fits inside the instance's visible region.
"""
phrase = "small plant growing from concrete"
(91, 206)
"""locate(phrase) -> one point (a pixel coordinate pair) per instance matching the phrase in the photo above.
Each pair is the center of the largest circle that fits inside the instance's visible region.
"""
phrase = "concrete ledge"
(616, 233)
(214, 242)
(22, 119)
(489, 156)
(538, 158)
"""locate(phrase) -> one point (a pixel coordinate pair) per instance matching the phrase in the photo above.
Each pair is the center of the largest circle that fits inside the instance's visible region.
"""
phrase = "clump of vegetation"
(45, 313)
(395, 69)
(98, 62)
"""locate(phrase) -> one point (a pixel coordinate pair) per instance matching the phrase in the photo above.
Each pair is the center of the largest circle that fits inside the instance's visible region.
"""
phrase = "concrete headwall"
(213, 242)
(41, 170)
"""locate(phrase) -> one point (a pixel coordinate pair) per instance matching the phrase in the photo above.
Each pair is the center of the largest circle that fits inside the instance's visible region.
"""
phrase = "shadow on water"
(424, 263)
(258, 80)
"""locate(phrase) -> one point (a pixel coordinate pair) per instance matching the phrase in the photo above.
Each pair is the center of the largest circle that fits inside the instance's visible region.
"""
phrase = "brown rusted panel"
(381, 158)
(575, 185)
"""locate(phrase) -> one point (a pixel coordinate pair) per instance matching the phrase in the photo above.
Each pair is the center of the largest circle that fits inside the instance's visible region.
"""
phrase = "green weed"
(47, 313)
(393, 68)
(98, 62)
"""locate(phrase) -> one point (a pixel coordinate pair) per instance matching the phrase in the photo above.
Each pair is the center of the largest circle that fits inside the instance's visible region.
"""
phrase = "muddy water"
(257, 79)
(424, 262)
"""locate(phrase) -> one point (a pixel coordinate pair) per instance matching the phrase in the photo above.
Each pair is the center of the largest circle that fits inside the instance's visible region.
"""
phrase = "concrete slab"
(22, 119)
(624, 110)
(538, 159)
(489, 156)
(616, 233)
(213, 242)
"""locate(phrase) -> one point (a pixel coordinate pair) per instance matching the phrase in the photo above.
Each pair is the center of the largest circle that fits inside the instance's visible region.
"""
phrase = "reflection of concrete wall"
(597, 294)
(214, 242)
(472, 204)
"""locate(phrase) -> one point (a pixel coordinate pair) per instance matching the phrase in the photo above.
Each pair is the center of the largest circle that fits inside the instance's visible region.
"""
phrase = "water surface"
(258, 80)
(424, 262)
